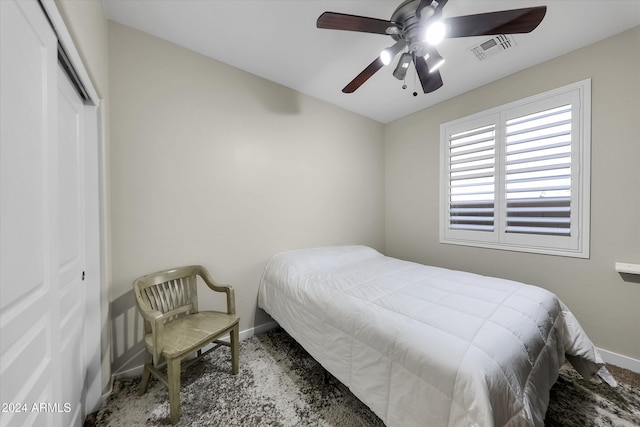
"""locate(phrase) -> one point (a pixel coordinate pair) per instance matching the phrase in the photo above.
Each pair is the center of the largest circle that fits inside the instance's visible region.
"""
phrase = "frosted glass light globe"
(435, 33)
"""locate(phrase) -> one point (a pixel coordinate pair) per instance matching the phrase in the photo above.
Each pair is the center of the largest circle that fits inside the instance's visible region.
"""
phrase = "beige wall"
(605, 304)
(215, 166)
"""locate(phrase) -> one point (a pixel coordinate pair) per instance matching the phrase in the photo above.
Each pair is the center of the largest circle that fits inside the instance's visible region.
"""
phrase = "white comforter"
(426, 346)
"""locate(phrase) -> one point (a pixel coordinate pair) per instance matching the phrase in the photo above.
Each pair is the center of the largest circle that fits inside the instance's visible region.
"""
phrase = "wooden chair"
(175, 329)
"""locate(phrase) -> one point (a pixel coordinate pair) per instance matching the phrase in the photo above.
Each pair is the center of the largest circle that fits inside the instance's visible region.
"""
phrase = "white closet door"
(70, 240)
(42, 364)
(28, 340)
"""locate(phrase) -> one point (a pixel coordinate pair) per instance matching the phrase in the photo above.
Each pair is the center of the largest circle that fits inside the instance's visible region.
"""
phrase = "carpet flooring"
(279, 384)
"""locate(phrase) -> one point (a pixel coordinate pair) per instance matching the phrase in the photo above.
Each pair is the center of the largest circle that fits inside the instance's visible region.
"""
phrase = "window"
(516, 177)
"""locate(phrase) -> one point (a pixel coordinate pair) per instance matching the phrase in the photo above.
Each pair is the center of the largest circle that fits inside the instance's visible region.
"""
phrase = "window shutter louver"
(472, 179)
(538, 173)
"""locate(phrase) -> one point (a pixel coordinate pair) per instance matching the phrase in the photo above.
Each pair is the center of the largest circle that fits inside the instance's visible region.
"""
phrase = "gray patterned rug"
(279, 384)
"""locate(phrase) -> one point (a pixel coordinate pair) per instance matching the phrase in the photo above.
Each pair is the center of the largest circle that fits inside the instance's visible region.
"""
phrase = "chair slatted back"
(174, 292)
(172, 297)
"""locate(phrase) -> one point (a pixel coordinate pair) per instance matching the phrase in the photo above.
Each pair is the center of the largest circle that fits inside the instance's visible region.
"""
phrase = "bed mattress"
(426, 346)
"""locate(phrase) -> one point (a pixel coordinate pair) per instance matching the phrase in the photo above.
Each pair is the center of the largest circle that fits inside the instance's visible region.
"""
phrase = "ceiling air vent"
(492, 46)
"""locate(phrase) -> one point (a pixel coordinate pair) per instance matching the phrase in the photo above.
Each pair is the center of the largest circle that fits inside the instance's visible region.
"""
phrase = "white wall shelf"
(625, 267)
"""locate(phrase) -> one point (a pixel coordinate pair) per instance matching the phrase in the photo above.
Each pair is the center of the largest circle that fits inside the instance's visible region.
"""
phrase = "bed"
(427, 346)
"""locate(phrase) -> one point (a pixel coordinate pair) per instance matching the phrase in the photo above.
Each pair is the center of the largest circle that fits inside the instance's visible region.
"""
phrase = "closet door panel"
(70, 241)
(29, 355)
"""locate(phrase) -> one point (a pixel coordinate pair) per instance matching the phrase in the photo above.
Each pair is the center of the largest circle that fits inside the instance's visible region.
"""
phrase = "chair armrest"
(157, 330)
(150, 315)
(156, 321)
(214, 286)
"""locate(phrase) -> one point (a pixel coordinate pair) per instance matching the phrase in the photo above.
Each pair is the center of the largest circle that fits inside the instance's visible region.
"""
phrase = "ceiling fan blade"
(364, 76)
(429, 81)
(342, 21)
(503, 22)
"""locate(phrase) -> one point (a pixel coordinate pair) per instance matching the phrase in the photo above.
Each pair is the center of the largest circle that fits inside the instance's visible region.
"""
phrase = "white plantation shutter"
(517, 177)
(538, 173)
(472, 179)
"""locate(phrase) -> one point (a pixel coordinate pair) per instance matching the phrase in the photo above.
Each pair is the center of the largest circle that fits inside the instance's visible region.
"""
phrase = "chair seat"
(180, 335)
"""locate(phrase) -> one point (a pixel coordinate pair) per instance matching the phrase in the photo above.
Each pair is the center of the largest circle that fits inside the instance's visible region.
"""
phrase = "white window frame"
(577, 243)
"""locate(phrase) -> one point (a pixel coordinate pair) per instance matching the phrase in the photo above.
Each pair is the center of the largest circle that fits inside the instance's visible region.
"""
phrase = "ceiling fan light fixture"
(387, 55)
(435, 33)
(434, 61)
(403, 65)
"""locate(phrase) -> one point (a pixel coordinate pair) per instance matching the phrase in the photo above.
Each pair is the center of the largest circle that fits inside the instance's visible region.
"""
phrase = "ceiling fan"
(417, 27)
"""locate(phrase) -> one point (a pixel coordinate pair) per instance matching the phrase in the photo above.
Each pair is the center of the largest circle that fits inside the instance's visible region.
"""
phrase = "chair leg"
(234, 349)
(146, 374)
(173, 377)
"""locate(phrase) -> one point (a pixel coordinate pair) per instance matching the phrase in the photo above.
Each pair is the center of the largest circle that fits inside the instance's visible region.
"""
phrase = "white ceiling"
(278, 40)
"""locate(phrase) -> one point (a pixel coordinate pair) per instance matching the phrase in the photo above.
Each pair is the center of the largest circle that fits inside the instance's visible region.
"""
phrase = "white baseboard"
(257, 330)
(620, 360)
